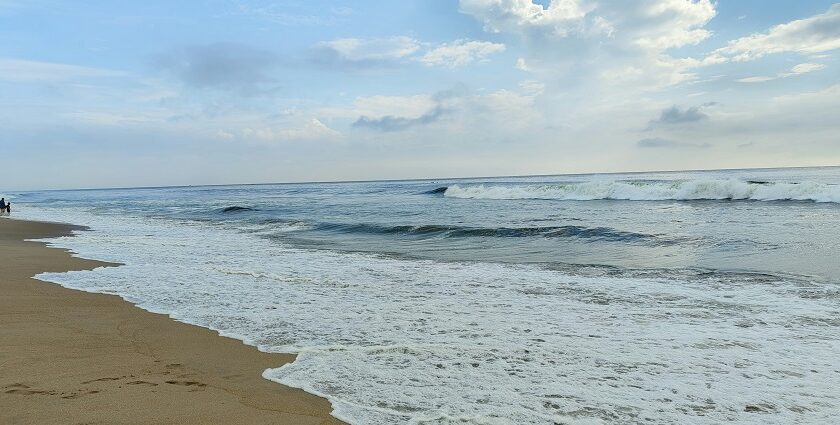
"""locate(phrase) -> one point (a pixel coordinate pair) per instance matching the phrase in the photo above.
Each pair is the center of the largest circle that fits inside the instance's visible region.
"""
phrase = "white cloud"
(816, 34)
(623, 43)
(532, 87)
(225, 135)
(294, 14)
(758, 79)
(817, 100)
(642, 32)
(647, 72)
(111, 118)
(507, 104)
(371, 50)
(560, 17)
(673, 23)
(21, 70)
(313, 129)
(802, 68)
(461, 52)
(357, 51)
(650, 24)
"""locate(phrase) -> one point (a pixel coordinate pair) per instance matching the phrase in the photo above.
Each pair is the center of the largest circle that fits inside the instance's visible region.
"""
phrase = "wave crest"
(235, 209)
(655, 191)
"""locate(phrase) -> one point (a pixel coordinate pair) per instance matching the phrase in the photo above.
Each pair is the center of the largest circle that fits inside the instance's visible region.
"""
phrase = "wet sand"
(71, 357)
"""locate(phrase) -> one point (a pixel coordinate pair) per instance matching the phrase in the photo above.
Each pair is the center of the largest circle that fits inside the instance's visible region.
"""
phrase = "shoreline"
(68, 356)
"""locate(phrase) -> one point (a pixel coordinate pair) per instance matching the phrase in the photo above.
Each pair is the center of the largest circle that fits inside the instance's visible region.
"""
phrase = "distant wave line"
(708, 189)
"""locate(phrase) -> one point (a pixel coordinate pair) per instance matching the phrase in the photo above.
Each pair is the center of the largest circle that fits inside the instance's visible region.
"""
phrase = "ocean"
(659, 298)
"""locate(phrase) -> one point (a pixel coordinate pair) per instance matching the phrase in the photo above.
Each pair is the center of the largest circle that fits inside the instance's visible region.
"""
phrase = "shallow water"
(698, 297)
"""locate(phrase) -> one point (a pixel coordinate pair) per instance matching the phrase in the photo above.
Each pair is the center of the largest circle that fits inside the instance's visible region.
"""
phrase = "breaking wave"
(655, 191)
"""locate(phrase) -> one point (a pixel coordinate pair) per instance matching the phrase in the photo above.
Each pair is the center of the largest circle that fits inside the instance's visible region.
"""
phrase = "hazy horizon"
(252, 92)
(434, 178)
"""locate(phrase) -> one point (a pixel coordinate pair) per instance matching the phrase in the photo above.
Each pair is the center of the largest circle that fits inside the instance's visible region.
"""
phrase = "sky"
(122, 94)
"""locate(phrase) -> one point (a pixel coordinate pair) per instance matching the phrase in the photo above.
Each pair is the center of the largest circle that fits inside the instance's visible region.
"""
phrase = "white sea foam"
(392, 341)
(654, 191)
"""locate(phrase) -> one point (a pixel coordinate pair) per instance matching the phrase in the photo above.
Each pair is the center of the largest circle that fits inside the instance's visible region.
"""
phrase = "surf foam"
(393, 341)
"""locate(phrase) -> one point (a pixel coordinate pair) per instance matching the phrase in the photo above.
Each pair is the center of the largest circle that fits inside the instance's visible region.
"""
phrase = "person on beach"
(4, 207)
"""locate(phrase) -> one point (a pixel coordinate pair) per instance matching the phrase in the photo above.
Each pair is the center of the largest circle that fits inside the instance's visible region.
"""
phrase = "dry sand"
(71, 357)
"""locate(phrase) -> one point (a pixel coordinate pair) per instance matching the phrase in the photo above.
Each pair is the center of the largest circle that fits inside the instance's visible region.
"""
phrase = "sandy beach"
(70, 357)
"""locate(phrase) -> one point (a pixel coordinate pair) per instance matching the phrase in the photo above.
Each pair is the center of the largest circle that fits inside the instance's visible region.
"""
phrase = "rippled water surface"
(700, 297)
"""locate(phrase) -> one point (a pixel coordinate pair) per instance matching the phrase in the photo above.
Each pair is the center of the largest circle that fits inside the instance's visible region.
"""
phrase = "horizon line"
(176, 186)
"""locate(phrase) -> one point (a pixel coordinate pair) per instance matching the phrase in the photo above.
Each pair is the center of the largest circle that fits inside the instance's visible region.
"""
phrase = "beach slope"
(71, 357)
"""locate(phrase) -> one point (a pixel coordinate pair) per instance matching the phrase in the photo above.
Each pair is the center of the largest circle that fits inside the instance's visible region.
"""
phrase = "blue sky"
(100, 94)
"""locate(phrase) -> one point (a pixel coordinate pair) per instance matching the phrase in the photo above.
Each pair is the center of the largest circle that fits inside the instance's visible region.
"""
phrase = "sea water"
(701, 297)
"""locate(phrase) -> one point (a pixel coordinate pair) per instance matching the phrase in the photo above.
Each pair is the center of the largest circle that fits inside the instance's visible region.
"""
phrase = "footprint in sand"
(80, 394)
(152, 384)
(22, 389)
(103, 379)
(195, 384)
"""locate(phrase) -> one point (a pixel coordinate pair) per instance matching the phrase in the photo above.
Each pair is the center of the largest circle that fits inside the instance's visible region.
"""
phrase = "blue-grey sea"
(659, 298)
